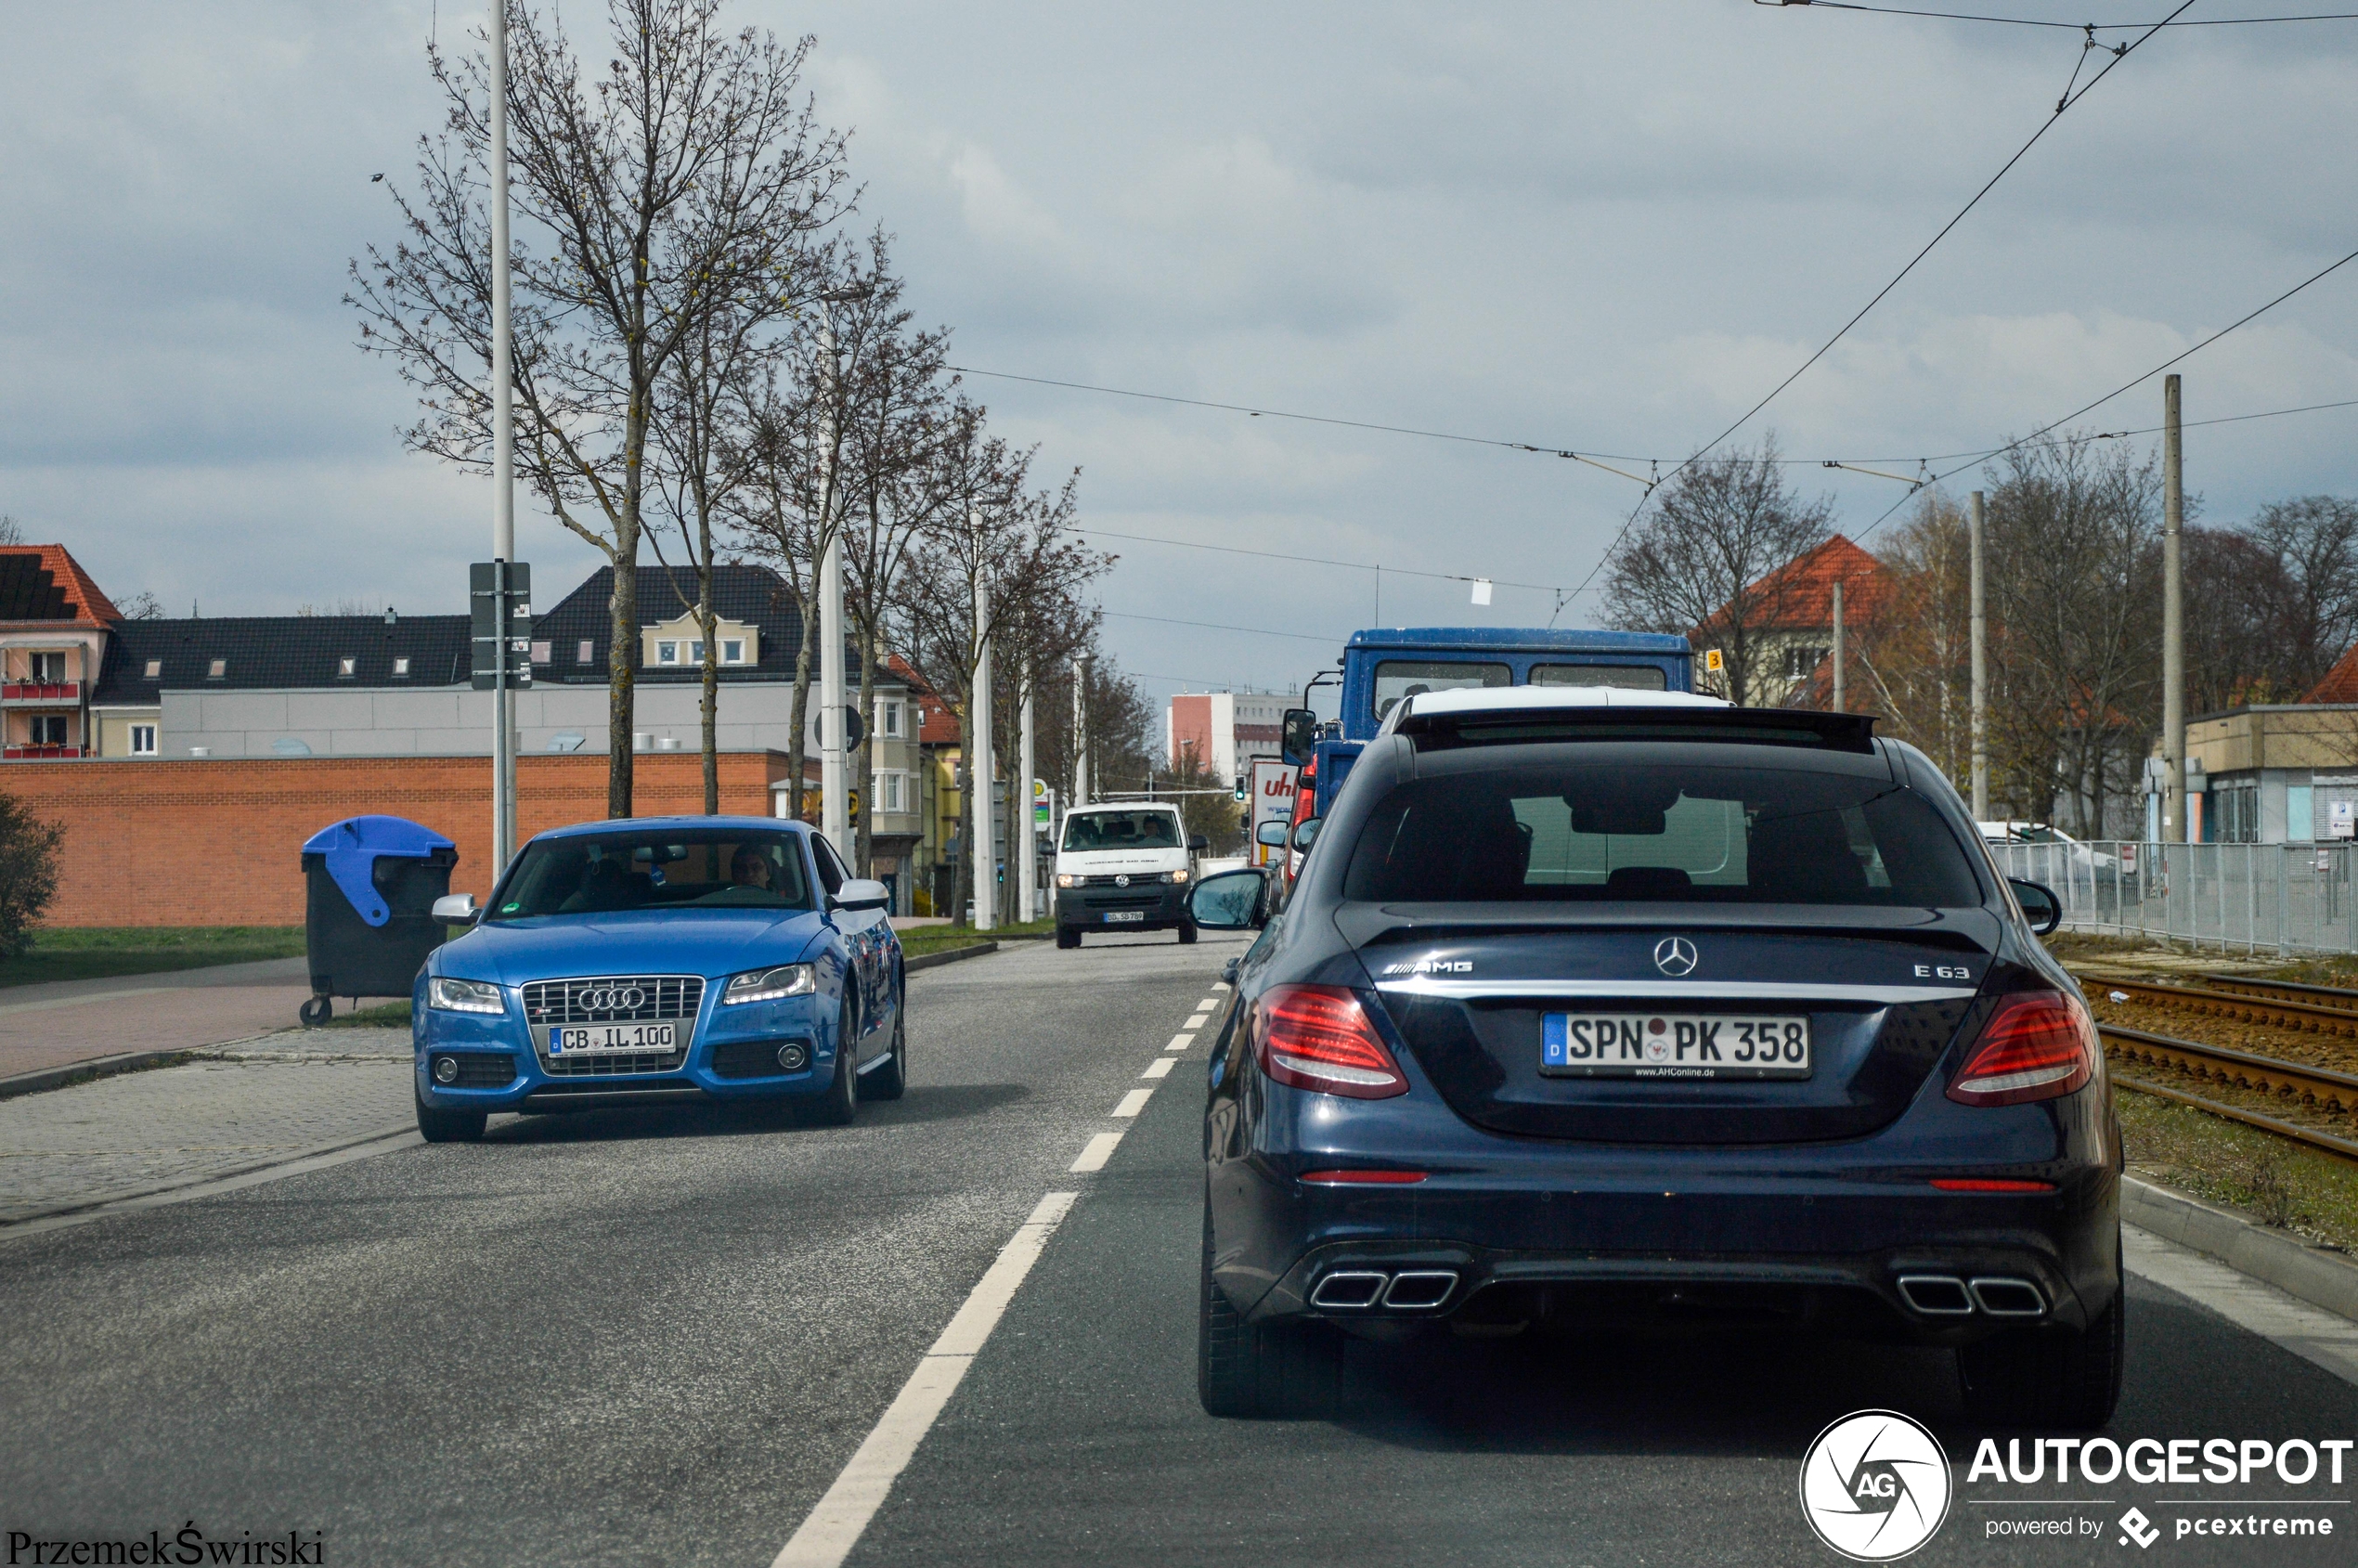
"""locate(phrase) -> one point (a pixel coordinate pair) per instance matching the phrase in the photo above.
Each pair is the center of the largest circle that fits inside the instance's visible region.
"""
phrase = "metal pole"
(504, 457)
(2173, 619)
(1980, 704)
(1024, 841)
(835, 800)
(1838, 650)
(978, 762)
(1080, 735)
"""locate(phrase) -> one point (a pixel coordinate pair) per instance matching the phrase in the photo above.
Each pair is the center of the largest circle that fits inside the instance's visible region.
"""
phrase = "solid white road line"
(2310, 1333)
(1134, 1102)
(1095, 1154)
(1180, 1041)
(836, 1526)
(1195, 1022)
(1161, 1067)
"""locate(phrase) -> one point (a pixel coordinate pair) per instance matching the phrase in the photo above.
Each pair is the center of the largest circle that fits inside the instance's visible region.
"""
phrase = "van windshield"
(656, 868)
(1122, 830)
(1674, 832)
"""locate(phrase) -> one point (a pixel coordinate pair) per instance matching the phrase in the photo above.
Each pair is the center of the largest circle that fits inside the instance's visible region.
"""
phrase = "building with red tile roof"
(1790, 617)
(55, 626)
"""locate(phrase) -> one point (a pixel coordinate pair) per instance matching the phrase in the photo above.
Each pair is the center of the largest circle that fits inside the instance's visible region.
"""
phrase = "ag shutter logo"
(1874, 1486)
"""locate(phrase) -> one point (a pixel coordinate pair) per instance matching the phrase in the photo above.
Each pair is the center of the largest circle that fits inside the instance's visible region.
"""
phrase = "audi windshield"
(666, 869)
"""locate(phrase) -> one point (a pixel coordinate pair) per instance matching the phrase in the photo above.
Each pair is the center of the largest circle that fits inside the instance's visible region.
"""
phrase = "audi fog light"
(447, 995)
(446, 1069)
(767, 985)
(793, 1056)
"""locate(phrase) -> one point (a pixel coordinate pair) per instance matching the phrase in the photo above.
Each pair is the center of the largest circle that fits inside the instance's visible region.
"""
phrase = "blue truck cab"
(1381, 666)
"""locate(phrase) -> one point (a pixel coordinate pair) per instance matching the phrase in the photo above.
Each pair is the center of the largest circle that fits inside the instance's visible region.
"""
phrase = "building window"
(888, 719)
(218, 669)
(401, 664)
(1803, 662)
(49, 669)
(891, 791)
(584, 654)
(666, 653)
(347, 667)
(543, 652)
(732, 650)
(143, 740)
(155, 669)
(48, 728)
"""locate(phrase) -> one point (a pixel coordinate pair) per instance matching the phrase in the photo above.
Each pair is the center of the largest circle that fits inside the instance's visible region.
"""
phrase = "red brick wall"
(218, 841)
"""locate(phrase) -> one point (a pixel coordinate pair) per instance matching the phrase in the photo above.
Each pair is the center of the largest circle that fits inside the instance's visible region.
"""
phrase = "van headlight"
(769, 985)
(446, 996)
(1066, 879)
(1179, 876)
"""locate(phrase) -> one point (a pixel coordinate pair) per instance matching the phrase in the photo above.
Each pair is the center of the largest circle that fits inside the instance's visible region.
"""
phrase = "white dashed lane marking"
(1095, 1154)
(1207, 1004)
(1197, 1023)
(834, 1526)
(1180, 1041)
(1134, 1102)
(1161, 1067)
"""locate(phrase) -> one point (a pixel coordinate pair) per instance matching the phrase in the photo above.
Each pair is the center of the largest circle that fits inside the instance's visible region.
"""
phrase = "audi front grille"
(613, 999)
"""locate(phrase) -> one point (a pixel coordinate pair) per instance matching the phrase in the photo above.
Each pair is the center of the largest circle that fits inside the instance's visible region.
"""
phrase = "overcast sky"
(1604, 227)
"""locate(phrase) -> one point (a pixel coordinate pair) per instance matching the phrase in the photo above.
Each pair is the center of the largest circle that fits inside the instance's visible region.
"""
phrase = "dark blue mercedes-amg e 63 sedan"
(662, 960)
(1613, 1008)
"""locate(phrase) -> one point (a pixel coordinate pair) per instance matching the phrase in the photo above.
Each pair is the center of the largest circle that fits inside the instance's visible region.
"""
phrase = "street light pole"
(1022, 833)
(834, 801)
(981, 810)
(2174, 824)
(1979, 706)
(503, 458)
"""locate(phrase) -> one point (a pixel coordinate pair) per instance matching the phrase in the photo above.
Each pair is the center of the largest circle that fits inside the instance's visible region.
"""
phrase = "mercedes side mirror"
(1227, 901)
(1300, 742)
(1270, 834)
(2040, 905)
(456, 909)
(859, 892)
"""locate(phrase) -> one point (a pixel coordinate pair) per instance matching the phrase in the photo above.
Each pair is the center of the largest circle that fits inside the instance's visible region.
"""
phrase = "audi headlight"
(767, 985)
(447, 995)
(1066, 879)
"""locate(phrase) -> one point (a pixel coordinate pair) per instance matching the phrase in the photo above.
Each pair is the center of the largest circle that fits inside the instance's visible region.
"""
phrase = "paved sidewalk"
(250, 1106)
(45, 1026)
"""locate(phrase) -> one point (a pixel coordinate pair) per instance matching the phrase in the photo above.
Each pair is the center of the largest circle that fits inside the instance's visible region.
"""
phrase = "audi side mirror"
(859, 892)
(456, 909)
(2040, 905)
(1299, 736)
(1271, 834)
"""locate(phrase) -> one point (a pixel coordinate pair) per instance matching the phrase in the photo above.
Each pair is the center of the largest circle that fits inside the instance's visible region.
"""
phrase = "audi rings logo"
(610, 999)
(1874, 1486)
(1674, 956)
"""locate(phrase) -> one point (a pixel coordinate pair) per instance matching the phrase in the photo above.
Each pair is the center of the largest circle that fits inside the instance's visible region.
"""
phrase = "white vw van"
(1124, 868)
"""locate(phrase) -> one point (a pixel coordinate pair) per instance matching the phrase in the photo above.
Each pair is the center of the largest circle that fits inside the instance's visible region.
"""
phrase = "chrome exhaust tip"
(1420, 1289)
(1351, 1290)
(1936, 1295)
(2009, 1297)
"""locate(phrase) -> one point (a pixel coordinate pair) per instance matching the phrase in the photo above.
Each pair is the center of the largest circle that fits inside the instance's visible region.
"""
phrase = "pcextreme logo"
(1874, 1486)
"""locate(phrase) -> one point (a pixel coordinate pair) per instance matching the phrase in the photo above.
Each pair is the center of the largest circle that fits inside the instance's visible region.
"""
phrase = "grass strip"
(86, 952)
(2265, 1177)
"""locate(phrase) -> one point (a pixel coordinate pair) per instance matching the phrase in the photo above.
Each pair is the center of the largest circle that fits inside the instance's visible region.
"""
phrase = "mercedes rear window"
(654, 869)
(1658, 831)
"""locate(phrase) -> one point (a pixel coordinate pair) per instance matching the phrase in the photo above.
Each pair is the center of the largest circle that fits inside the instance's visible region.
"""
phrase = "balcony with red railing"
(40, 694)
(33, 753)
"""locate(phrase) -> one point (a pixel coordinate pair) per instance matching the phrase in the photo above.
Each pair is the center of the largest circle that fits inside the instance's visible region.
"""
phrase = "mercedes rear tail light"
(2037, 1046)
(1320, 1037)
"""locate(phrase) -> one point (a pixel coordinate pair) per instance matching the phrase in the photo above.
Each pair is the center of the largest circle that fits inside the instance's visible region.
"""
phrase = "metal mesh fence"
(2283, 897)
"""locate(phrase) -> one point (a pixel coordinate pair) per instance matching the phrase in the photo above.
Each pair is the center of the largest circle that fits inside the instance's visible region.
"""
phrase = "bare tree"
(11, 531)
(1915, 653)
(1705, 561)
(675, 188)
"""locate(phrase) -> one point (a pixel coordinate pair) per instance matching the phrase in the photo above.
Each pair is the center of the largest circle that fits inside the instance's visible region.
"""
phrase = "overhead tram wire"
(2070, 98)
(2039, 21)
(2129, 385)
(1319, 560)
(1214, 626)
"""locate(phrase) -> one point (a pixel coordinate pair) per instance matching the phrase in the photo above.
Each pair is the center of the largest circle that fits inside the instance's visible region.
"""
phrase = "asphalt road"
(658, 1339)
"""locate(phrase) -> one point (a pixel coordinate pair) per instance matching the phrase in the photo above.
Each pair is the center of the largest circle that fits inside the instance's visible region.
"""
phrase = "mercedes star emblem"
(1674, 956)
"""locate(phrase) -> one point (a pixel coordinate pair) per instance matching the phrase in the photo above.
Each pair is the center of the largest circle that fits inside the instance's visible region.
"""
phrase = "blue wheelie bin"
(371, 883)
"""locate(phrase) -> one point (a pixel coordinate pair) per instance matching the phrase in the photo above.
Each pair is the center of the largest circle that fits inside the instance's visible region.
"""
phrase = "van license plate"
(579, 1040)
(1120, 916)
(1672, 1045)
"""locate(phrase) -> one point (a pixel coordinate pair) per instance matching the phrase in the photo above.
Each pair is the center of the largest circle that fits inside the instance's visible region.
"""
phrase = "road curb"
(934, 960)
(2317, 1277)
(92, 1067)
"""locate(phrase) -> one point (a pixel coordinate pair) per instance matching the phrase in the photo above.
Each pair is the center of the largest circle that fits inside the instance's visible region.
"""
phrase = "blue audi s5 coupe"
(661, 961)
(1610, 1009)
